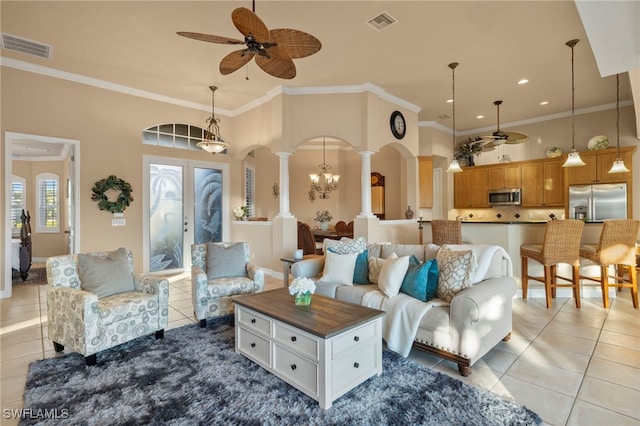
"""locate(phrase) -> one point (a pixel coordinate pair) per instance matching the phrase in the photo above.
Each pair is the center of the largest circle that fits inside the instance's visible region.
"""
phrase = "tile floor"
(572, 367)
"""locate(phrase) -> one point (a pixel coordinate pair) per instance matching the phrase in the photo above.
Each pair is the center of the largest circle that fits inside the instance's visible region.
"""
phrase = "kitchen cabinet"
(425, 182)
(470, 188)
(505, 176)
(597, 167)
(543, 184)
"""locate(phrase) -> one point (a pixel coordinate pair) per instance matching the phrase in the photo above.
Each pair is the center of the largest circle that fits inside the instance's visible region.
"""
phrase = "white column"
(365, 183)
(284, 184)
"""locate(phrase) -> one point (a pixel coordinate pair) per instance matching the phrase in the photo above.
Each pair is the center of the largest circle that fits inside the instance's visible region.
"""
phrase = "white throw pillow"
(338, 268)
(392, 274)
(375, 265)
(455, 267)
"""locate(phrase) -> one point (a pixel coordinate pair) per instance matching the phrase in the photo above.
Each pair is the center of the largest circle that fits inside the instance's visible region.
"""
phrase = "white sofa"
(476, 319)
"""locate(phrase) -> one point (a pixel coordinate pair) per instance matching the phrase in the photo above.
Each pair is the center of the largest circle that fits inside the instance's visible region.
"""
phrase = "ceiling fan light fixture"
(213, 143)
(618, 165)
(573, 159)
(454, 167)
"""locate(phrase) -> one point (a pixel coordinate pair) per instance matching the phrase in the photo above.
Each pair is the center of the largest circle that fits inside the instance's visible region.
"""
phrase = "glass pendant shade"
(618, 167)
(454, 167)
(574, 160)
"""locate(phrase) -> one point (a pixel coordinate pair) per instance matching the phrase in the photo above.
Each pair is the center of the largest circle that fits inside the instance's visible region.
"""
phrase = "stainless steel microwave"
(505, 197)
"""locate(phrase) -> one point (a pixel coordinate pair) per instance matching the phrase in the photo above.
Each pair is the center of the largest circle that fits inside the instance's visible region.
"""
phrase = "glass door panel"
(208, 212)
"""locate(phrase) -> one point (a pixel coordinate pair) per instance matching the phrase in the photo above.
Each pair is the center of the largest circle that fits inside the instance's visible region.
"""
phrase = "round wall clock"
(398, 125)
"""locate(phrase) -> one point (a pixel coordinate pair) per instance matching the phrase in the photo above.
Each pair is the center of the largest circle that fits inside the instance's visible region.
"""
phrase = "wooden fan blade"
(514, 138)
(210, 38)
(234, 60)
(277, 67)
(297, 44)
(248, 22)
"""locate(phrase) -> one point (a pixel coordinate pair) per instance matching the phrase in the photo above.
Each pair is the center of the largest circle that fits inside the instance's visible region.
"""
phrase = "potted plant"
(467, 150)
(241, 212)
(323, 217)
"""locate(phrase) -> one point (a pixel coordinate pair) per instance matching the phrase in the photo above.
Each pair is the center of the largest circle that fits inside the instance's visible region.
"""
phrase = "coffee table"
(324, 350)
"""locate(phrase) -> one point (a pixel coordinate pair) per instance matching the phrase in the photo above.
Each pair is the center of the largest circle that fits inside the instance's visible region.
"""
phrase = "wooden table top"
(325, 317)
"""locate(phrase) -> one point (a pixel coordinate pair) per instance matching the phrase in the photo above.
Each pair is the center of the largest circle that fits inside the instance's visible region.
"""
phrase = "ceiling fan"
(274, 50)
(499, 137)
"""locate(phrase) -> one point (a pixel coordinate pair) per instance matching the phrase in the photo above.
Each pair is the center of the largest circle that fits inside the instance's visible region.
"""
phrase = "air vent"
(28, 47)
(381, 21)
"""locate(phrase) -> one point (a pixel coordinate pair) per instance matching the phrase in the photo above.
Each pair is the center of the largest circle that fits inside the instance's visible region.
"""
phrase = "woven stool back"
(618, 241)
(562, 242)
(446, 232)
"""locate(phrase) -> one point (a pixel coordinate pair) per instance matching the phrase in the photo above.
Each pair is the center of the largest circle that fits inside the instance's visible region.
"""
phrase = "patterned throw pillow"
(345, 245)
(455, 268)
(421, 280)
(375, 264)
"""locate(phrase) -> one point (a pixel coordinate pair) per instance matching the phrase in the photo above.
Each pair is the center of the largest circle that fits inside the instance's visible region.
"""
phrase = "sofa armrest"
(308, 268)
(256, 273)
(198, 282)
(481, 316)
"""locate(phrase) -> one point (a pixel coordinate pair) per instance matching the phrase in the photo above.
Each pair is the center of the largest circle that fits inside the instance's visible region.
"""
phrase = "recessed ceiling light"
(544, 103)
(480, 116)
(449, 101)
(523, 81)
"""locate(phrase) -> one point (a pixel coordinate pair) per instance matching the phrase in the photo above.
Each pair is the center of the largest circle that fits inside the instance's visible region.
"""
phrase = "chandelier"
(213, 142)
(324, 182)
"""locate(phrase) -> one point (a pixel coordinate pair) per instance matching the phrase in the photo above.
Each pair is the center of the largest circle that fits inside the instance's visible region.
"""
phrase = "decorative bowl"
(598, 142)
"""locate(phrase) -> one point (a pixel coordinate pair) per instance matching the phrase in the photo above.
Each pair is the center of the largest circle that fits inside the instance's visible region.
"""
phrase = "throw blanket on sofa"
(404, 314)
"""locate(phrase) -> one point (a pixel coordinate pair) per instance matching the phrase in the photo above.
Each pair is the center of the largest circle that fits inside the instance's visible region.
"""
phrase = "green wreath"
(115, 183)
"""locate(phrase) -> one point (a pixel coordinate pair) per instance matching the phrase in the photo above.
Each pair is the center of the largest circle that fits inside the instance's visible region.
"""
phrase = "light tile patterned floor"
(571, 366)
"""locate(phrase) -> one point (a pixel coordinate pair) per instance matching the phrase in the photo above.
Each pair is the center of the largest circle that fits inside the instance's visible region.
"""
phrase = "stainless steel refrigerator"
(599, 202)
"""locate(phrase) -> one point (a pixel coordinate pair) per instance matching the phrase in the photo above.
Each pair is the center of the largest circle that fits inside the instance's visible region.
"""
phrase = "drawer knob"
(356, 338)
(253, 345)
(356, 365)
(293, 338)
(253, 320)
(293, 367)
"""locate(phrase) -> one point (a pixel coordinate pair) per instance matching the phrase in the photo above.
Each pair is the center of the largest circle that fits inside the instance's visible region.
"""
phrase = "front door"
(186, 202)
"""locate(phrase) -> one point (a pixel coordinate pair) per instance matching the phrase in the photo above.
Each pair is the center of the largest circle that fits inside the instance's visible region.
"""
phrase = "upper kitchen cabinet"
(505, 176)
(543, 183)
(425, 175)
(597, 167)
(470, 188)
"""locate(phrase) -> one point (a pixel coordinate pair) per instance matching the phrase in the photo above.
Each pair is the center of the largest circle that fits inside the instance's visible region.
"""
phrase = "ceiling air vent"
(23, 45)
(381, 21)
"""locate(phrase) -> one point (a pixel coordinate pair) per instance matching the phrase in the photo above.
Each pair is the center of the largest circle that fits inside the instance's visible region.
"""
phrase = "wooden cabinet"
(470, 188)
(543, 184)
(597, 167)
(505, 176)
(425, 182)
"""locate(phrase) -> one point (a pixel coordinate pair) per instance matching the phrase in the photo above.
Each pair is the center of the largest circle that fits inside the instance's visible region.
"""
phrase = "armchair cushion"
(223, 261)
(106, 275)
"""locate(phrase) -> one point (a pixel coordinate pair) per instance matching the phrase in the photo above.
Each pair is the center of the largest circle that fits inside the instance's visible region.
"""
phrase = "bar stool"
(561, 244)
(446, 232)
(616, 247)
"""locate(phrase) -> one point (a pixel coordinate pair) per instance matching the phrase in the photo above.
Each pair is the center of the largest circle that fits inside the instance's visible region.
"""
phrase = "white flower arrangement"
(302, 285)
(241, 211)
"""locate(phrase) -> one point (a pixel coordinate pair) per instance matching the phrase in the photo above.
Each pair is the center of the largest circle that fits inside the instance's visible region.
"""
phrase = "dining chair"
(306, 241)
(341, 226)
(350, 227)
(561, 244)
(617, 248)
(446, 232)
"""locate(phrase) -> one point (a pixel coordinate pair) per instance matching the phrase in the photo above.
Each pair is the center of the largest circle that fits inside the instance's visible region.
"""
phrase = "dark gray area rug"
(194, 377)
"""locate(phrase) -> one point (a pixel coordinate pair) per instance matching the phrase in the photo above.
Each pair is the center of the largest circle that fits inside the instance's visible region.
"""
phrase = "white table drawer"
(294, 339)
(254, 346)
(254, 321)
(353, 338)
(297, 369)
(354, 367)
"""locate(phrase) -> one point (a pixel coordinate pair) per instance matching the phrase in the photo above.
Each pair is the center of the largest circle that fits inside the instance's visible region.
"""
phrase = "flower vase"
(303, 299)
(471, 160)
(324, 226)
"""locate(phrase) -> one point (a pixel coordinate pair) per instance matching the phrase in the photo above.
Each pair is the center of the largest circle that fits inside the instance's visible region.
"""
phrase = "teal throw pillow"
(421, 280)
(361, 273)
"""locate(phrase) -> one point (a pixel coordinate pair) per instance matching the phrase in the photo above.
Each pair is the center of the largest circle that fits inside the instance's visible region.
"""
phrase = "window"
(175, 135)
(18, 202)
(48, 203)
(250, 188)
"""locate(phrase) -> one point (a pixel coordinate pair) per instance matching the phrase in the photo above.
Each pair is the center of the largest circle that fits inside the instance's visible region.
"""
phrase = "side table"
(286, 267)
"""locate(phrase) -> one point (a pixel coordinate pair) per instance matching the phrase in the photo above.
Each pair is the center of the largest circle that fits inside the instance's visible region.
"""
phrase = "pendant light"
(573, 160)
(454, 167)
(325, 181)
(618, 165)
(213, 142)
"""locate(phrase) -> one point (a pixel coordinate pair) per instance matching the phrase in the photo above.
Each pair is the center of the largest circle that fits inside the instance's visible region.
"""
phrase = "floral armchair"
(86, 319)
(220, 271)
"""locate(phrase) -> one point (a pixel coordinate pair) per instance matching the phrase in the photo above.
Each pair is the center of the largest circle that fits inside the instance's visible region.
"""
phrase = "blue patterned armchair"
(95, 302)
(220, 271)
